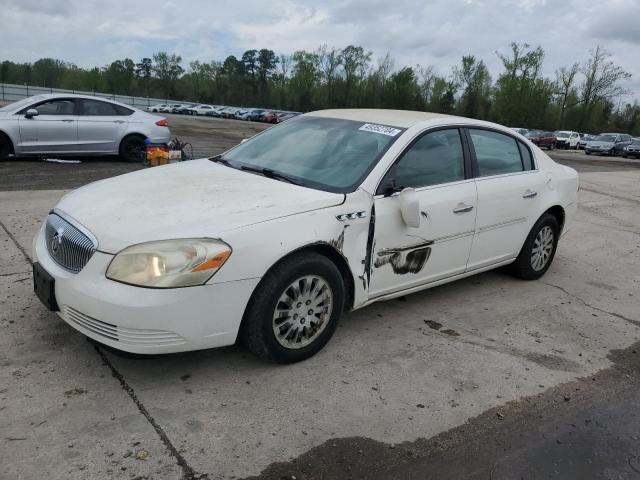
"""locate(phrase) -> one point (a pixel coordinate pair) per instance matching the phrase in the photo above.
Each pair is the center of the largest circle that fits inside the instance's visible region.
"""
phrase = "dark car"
(184, 109)
(542, 139)
(633, 149)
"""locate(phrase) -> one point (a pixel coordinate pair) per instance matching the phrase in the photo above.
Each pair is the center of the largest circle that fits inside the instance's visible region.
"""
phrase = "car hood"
(193, 199)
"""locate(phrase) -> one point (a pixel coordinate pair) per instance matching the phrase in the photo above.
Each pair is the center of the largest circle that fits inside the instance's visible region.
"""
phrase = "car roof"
(396, 118)
(46, 96)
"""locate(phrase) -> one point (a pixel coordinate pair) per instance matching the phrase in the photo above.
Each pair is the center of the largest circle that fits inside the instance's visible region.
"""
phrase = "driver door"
(437, 166)
(53, 130)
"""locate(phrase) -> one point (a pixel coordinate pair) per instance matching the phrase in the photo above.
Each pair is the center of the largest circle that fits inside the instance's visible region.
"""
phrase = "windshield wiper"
(219, 159)
(267, 172)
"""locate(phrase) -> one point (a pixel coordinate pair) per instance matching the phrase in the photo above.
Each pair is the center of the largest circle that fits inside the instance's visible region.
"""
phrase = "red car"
(542, 139)
(270, 117)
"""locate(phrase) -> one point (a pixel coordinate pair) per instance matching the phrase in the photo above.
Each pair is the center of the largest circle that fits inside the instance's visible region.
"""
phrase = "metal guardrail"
(10, 93)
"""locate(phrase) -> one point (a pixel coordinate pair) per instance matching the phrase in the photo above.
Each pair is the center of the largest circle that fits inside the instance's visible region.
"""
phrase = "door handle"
(462, 208)
(118, 121)
(529, 194)
(67, 120)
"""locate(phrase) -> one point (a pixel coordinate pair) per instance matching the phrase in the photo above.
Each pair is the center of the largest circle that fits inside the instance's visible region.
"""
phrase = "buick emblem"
(56, 240)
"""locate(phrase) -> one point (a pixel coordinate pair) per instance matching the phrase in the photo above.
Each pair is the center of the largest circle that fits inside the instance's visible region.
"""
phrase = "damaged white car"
(271, 241)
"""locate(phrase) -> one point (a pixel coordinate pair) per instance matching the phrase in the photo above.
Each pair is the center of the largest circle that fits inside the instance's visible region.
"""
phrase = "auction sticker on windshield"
(384, 130)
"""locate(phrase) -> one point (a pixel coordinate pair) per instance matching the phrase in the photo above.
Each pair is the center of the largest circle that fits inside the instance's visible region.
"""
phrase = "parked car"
(168, 108)
(269, 117)
(214, 112)
(608, 143)
(521, 131)
(270, 243)
(542, 139)
(633, 149)
(584, 138)
(183, 109)
(240, 114)
(156, 108)
(65, 124)
(228, 112)
(202, 109)
(567, 139)
(256, 114)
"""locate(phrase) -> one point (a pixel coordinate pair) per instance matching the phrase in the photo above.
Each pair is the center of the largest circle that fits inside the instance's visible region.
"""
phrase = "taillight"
(162, 123)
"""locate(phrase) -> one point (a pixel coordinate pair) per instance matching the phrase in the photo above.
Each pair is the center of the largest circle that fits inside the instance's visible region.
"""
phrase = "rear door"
(101, 126)
(509, 189)
(53, 130)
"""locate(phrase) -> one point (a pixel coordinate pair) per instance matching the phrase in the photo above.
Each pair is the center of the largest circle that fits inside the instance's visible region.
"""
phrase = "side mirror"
(32, 112)
(410, 207)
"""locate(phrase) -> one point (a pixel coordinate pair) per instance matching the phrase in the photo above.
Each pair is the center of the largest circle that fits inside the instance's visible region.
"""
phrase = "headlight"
(169, 263)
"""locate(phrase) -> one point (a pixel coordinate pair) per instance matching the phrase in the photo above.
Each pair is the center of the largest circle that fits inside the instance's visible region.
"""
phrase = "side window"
(496, 153)
(96, 108)
(527, 158)
(435, 158)
(123, 111)
(55, 107)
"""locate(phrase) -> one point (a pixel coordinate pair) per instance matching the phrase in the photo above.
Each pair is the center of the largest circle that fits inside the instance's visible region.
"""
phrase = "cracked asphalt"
(488, 377)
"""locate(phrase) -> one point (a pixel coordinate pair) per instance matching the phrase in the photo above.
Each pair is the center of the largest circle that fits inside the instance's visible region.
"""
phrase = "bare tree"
(330, 62)
(565, 78)
(602, 77)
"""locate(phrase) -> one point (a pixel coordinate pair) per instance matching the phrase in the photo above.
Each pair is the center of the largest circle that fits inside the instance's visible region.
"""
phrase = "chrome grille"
(68, 246)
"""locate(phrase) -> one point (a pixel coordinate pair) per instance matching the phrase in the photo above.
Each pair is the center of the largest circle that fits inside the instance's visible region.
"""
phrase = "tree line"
(586, 96)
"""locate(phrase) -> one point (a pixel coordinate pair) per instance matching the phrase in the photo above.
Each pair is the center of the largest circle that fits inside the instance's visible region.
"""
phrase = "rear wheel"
(132, 148)
(5, 147)
(295, 309)
(538, 250)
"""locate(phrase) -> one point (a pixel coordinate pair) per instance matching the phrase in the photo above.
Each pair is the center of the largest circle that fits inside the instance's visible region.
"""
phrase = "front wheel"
(538, 250)
(295, 309)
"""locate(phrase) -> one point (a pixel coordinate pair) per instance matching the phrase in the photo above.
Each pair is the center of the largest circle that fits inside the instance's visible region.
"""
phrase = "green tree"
(167, 70)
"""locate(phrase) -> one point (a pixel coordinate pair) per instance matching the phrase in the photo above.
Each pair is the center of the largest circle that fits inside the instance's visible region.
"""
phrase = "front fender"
(257, 247)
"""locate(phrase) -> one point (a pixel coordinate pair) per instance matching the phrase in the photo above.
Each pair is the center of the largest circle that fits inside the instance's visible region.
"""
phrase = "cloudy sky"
(432, 32)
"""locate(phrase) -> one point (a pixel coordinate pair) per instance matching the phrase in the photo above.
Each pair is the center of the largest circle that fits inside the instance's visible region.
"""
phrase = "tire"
(587, 152)
(5, 147)
(526, 266)
(260, 321)
(131, 148)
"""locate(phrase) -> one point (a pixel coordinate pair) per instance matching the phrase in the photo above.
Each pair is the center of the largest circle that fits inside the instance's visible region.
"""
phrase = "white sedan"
(271, 241)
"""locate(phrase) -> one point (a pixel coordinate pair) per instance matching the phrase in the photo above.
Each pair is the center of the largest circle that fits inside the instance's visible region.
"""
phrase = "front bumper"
(145, 320)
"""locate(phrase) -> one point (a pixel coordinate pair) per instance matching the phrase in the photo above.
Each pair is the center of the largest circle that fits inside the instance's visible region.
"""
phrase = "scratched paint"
(404, 261)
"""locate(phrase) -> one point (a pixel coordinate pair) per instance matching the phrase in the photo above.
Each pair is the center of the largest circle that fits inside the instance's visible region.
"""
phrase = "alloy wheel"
(542, 248)
(302, 312)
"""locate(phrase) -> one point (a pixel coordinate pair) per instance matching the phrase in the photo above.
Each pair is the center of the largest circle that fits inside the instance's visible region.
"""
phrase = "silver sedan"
(77, 125)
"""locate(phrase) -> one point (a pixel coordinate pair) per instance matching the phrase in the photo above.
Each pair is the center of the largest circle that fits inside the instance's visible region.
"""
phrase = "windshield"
(562, 135)
(20, 103)
(605, 138)
(325, 153)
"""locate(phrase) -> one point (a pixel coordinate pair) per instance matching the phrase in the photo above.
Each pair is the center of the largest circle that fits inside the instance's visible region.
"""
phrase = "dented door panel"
(405, 257)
